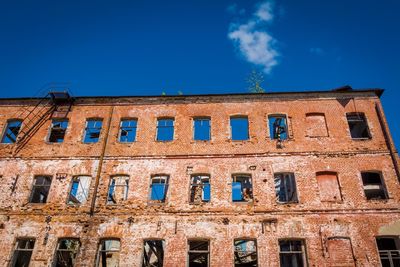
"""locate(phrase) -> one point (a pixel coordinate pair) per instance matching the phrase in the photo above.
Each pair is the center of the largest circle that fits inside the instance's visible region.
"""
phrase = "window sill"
(361, 139)
(287, 203)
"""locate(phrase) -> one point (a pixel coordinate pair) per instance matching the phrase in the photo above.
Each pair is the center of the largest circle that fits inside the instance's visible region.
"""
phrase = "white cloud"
(254, 42)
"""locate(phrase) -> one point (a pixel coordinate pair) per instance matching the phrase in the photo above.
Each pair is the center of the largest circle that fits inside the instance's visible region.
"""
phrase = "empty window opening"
(118, 189)
(328, 186)
(285, 187)
(108, 253)
(11, 131)
(22, 252)
(278, 127)
(292, 253)
(199, 253)
(79, 190)
(92, 130)
(358, 126)
(40, 189)
(242, 188)
(389, 251)
(165, 129)
(239, 128)
(202, 129)
(57, 131)
(153, 253)
(200, 189)
(159, 187)
(127, 133)
(245, 253)
(67, 249)
(374, 187)
(316, 125)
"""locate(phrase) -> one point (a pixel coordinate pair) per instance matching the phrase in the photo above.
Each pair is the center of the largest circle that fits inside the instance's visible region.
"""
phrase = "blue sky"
(200, 46)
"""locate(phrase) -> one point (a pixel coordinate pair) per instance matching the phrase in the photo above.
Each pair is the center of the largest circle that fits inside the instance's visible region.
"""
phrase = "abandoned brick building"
(272, 179)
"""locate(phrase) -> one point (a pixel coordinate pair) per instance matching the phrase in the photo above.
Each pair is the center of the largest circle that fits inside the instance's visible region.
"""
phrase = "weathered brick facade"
(341, 232)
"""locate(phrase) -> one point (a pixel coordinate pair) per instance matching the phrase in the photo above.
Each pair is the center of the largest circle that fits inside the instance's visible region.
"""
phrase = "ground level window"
(389, 251)
(67, 249)
(199, 253)
(292, 253)
(108, 253)
(153, 253)
(23, 252)
(200, 189)
(242, 188)
(245, 253)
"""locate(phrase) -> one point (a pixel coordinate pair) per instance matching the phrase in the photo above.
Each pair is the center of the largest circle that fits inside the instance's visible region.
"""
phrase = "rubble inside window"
(374, 187)
(67, 249)
(199, 253)
(285, 187)
(11, 131)
(79, 190)
(108, 253)
(159, 187)
(358, 126)
(200, 189)
(245, 253)
(278, 127)
(118, 189)
(57, 131)
(40, 189)
(242, 188)
(153, 253)
(23, 252)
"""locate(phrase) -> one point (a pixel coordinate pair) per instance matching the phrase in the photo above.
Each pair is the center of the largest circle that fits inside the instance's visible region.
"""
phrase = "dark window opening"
(202, 129)
(127, 133)
(57, 131)
(239, 128)
(165, 129)
(389, 251)
(285, 187)
(245, 253)
(199, 253)
(200, 189)
(118, 189)
(292, 253)
(92, 130)
(79, 190)
(108, 253)
(277, 127)
(11, 131)
(67, 249)
(373, 185)
(159, 186)
(153, 253)
(242, 188)
(358, 126)
(22, 252)
(40, 190)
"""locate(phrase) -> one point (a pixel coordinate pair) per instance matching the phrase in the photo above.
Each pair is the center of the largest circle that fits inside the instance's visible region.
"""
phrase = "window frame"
(379, 251)
(280, 115)
(99, 250)
(202, 176)
(233, 117)
(13, 257)
(233, 180)
(303, 251)
(362, 115)
(54, 261)
(112, 177)
(245, 239)
(96, 119)
(120, 130)
(293, 177)
(34, 186)
(188, 251)
(144, 248)
(52, 127)
(71, 186)
(383, 185)
(5, 128)
(201, 118)
(166, 178)
(158, 127)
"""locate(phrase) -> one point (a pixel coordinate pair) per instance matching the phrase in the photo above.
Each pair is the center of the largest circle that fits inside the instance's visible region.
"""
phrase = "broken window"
(66, 252)
(200, 189)
(92, 130)
(11, 131)
(79, 190)
(374, 187)
(242, 188)
(292, 253)
(108, 253)
(239, 128)
(285, 187)
(153, 253)
(159, 186)
(118, 189)
(389, 251)
(127, 133)
(328, 186)
(202, 129)
(57, 131)
(316, 125)
(40, 189)
(199, 253)
(278, 127)
(165, 129)
(22, 252)
(245, 253)
(358, 126)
